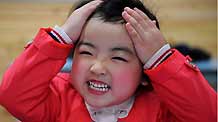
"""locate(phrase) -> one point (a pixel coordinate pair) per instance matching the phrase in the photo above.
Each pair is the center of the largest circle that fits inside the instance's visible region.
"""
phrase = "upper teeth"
(98, 87)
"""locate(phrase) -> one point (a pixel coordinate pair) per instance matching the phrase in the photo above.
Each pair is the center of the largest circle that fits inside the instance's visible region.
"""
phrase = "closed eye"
(85, 53)
(119, 59)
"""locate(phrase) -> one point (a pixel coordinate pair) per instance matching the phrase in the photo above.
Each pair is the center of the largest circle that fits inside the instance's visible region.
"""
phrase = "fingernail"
(124, 12)
(136, 9)
(154, 21)
(128, 9)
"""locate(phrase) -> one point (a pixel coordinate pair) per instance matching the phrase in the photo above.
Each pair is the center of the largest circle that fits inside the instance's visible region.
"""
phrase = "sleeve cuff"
(168, 68)
(157, 57)
(62, 34)
(48, 46)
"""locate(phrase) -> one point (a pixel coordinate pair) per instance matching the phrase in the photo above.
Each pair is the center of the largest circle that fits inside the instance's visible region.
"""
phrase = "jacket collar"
(111, 114)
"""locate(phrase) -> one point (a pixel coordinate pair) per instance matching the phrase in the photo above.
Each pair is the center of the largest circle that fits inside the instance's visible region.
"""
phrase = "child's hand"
(74, 24)
(146, 37)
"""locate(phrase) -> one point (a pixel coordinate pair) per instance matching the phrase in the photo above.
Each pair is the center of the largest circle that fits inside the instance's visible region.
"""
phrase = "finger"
(141, 13)
(142, 30)
(136, 40)
(134, 14)
(154, 22)
(146, 18)
(133, 34)
(133, 22)
(137, 17)
(130, 19)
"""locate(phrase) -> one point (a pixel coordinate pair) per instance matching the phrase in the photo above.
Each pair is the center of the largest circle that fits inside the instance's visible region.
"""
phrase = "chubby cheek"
(78, 71)
(126, 81)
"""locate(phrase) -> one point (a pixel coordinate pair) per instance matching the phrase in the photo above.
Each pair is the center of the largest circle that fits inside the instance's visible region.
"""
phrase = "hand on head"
(145, 36)
(74, 24)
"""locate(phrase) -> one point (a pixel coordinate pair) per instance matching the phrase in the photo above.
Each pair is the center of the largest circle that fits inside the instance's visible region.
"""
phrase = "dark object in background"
(196, 54)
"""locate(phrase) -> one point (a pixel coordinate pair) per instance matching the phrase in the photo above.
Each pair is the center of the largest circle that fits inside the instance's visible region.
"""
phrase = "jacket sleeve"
(183, 89)
(24, 90)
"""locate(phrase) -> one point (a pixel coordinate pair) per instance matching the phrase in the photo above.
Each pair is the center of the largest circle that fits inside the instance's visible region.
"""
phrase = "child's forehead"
(112, 32)
(105, 35)
(97, 22)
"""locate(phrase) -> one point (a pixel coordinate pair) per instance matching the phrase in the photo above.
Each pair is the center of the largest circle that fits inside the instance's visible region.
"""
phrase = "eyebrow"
(123, 49)
(86, 44)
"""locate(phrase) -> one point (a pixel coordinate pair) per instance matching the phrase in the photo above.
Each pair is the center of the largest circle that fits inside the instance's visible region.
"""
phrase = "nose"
(98, 68)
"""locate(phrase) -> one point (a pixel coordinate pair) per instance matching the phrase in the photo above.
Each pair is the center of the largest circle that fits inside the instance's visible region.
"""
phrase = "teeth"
(98, 87)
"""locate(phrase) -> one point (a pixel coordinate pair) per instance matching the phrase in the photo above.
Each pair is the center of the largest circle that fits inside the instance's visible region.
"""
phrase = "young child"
(116, 43)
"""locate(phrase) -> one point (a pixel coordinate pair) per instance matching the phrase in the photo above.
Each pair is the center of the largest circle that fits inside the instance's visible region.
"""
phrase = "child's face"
(106, 70)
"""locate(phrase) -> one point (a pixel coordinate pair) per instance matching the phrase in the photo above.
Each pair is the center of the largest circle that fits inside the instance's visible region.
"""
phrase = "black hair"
(111, 10)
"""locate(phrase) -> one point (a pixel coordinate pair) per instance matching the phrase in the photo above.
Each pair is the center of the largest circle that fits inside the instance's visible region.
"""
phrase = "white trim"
(156, 56)
(168, 53)
(61, 32)
(54, 34)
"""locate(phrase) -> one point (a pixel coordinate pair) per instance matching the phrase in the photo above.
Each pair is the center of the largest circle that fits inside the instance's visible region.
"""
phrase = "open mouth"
(98, 86)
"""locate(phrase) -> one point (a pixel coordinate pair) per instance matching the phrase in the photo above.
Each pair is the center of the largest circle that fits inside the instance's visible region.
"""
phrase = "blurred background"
(188, 25)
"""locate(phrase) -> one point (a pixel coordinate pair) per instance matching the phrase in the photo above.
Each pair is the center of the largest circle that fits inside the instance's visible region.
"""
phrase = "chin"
(98, 104)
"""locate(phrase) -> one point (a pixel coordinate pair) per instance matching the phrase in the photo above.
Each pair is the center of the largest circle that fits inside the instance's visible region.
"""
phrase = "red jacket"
(33, 91)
